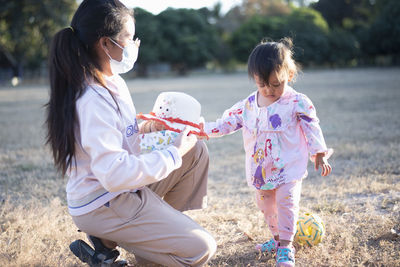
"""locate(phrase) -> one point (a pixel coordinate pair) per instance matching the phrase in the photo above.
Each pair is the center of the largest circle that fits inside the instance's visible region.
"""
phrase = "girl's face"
(272, 92)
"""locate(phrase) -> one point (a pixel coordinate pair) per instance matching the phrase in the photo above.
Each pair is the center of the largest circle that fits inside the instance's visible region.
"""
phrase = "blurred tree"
(222, 54)
(373, 24)
(346, 14)
(344, 48)
(26, 28)
(237, 15)
(383, 37)
(148, 31)
(250, 33)
(300, 3)
(214, 14)
(309, 32)
(305, 26)
(265, 7)
(232, 20)
(188, 39)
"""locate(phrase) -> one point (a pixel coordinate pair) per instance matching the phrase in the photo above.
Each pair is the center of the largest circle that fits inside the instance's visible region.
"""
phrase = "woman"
(113, 192)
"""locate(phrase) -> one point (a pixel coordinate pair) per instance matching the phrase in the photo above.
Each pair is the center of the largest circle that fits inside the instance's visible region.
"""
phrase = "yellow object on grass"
(310, 229)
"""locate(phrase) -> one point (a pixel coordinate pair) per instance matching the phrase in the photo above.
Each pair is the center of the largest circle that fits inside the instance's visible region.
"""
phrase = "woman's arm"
(111, 164)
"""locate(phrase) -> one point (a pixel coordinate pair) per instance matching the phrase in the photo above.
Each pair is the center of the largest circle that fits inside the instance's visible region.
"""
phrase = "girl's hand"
(185, 142)
(320, 160)
(201, 137)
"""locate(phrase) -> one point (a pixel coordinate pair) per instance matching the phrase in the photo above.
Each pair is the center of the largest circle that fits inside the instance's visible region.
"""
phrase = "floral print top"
(278, 139)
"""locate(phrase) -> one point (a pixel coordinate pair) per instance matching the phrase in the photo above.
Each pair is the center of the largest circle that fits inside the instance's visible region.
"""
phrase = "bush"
(344, 48)
(188, 39)
(384, 34)
(305, 26)
(309, 32)
(250, 33)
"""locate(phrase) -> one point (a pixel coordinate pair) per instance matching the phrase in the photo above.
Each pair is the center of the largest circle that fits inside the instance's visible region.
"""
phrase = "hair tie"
(72, 29)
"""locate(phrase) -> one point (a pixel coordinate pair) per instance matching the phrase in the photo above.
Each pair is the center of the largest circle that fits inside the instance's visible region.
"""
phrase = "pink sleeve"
(309, 123)
(230, 122)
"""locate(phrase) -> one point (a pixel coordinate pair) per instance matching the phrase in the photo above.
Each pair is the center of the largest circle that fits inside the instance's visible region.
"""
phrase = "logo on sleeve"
(131, 129)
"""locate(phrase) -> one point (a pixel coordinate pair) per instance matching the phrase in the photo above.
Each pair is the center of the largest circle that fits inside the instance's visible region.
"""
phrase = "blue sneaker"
(285, 257)
(269, 247)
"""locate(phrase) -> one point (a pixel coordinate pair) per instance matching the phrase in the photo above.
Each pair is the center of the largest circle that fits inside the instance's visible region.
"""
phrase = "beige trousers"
(150, 224)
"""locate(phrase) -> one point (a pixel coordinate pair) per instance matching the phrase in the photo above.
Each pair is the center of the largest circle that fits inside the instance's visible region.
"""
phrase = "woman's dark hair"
(73, 64)
(269, 56)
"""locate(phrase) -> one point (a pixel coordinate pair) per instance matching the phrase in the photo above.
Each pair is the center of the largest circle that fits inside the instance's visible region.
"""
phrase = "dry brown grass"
(359, 203)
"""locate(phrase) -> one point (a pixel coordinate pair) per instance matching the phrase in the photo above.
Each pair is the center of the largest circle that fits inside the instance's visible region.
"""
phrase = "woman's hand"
(156, 126)
(321, 161)
(185, 142)
(151, 126)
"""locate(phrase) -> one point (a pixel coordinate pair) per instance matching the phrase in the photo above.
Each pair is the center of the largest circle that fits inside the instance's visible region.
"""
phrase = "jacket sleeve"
(309, 123)
(114, 167)
(231, 121)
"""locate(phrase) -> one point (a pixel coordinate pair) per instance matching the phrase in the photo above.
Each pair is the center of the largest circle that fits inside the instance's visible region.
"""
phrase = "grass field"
(359, 202)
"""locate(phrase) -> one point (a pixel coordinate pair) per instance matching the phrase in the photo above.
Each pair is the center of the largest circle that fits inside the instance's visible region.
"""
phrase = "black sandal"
(100, 256)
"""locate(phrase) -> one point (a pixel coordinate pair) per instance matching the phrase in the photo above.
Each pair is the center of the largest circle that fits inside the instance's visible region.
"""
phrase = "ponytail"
(68, 64)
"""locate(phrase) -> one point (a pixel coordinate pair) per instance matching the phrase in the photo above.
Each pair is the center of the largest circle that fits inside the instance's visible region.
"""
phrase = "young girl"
(280, 130)
(116, 195)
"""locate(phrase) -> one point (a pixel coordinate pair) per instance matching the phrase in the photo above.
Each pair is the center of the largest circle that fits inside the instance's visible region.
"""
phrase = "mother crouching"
(116, 195)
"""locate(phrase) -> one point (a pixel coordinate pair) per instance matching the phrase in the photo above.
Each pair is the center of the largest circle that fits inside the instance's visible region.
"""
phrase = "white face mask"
(129, 56)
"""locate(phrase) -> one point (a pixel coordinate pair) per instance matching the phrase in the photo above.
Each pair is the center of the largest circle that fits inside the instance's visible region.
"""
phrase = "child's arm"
(230, 122)
(309, 122)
